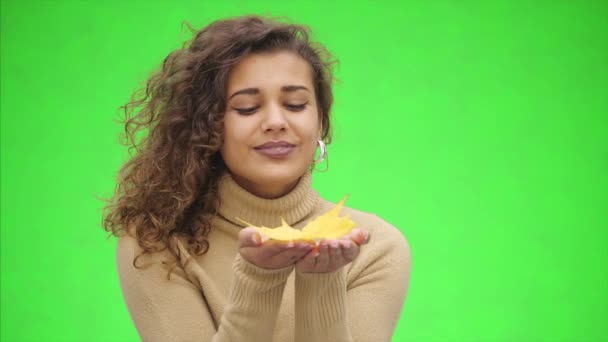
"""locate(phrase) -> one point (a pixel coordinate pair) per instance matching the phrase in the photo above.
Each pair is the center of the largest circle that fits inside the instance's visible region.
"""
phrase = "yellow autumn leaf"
(326, 226)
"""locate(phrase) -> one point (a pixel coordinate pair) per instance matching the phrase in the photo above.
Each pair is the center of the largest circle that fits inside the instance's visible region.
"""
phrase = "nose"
(274, 119)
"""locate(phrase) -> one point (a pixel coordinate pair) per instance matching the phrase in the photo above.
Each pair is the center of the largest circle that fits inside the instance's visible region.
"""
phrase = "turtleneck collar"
(236, 202)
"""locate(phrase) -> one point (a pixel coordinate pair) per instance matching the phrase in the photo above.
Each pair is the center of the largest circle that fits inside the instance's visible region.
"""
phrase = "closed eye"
(246, 111)
(251, 110)
(296, 108)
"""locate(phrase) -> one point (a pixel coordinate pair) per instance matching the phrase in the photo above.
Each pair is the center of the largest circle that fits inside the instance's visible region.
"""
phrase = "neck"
(264, 208)
(266, 191)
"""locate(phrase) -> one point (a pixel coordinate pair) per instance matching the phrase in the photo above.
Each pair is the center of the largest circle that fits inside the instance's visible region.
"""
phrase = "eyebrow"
(255, 91)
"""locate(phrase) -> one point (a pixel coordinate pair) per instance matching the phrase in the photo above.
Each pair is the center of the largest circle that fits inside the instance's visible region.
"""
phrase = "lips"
(274, 144)
(275, 149)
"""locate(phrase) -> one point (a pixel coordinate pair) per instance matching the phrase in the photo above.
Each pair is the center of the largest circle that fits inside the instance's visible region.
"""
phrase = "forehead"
(270, 69)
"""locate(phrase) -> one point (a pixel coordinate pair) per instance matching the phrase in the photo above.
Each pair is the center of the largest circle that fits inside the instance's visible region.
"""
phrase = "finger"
(288, 244)
(249, 237)
(335, 256)
(296, 253)
(350, 249)
(305, 241)
(368, 236)
(276, 247)
(322, 261)
(267, 249)
(352, 235)
(359, 236)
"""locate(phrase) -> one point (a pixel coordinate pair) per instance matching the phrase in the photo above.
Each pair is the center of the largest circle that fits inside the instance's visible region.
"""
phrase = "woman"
(234, 120)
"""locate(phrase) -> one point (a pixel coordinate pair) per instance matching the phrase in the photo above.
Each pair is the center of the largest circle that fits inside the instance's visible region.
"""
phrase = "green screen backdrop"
(479, 129)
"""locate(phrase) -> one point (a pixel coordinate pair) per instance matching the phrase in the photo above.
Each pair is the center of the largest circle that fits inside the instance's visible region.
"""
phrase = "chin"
(269, 181)
(280, 174)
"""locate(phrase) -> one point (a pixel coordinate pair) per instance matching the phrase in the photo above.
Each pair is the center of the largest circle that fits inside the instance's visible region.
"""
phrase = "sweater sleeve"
(362, 303)
(175, 310)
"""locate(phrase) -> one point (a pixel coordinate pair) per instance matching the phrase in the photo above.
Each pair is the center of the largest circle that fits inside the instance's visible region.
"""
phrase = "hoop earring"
(322, 157)
(323, 154)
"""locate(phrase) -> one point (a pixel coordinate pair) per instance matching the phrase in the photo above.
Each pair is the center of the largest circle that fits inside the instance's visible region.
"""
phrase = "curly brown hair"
(169, 186)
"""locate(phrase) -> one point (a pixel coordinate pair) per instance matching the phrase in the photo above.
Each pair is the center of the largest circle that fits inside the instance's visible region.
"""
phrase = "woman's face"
(271, 123)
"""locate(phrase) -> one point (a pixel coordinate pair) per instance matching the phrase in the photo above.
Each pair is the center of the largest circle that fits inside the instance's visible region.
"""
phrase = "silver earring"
(323, 152)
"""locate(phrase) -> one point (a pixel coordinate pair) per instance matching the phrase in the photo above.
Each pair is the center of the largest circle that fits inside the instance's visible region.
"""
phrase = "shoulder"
(148, 273)
(128, 250)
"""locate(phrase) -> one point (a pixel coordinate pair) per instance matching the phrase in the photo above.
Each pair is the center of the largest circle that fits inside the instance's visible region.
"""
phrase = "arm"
(366, 307)
(174, 310)
(321, 307)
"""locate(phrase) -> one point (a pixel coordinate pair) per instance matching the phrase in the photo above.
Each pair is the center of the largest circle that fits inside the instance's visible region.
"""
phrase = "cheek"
(236, 130)
(307, 126)
(309, 144)
(232, 139)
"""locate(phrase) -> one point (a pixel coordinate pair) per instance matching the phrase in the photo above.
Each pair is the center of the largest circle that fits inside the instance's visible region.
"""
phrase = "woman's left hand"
(331, 255)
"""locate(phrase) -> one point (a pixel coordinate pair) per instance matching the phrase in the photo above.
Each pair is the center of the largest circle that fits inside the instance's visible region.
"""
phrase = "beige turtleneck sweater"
(219, 296)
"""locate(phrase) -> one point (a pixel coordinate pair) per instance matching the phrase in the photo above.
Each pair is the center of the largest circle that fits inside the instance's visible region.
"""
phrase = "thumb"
(360, 236)
(249, 237)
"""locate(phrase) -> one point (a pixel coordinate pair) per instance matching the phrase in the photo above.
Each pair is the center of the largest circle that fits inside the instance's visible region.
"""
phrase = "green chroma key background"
(479, 129)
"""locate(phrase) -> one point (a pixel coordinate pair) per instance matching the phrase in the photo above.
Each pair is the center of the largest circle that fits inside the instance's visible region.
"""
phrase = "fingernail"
(363, 238)
(334, 244)
(290, 244)
(255, 238)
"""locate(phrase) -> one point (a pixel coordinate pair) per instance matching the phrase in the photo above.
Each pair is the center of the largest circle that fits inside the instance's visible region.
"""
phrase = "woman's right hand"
(270, 254)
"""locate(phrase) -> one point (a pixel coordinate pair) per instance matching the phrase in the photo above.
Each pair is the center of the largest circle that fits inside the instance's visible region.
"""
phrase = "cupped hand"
(331, 255)
(270, 254)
